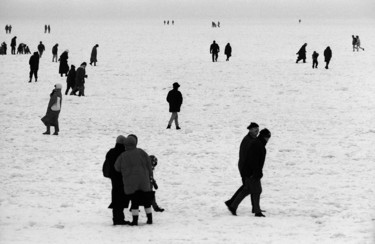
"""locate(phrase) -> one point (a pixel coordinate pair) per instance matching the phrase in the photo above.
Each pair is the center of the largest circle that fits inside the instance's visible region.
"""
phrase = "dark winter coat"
(302, 52)
(80, 76)
(94, 53)
(52, 114)
(214, 48)
(55, 49)
(41, 47)
(34, 61)
(135, 167)
(254, 159)
(244, 151)
(174, 98)
(64, 67)
(315, 56)
(228, 50)
(327, 54)
(119, 199)
(71, 79)
(13, 43)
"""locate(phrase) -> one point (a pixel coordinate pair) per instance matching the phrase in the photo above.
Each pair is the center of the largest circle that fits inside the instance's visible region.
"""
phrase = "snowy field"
(319, 175)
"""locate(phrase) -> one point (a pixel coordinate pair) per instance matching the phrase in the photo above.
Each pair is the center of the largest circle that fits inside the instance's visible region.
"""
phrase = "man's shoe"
(259, 215)
(231, 209)
(47, 133)
(178, 128)
(56, 133)
(168, 127)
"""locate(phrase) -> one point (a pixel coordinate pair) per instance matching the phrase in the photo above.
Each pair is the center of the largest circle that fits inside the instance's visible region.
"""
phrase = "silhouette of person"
(228, 51)
(13, 44)
(174, 98)
(34, 66)
(80, 80)
(214, 50)
(53, 110)
(10, 29)
(64, 67)
(354, 43)
(45, 28)
(41, 49)
(358, 43)
(49, 29)
(6, 29)
(54, 52)
(327, 56)
(218, 24)
(71, 79)
(94, 52)
(172, 22)
(302, 53)
(315, 59)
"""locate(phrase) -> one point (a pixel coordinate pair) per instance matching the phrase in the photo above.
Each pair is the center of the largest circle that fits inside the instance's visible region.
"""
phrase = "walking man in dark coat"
(214, 50)
(41, 49)
(34, 66)
(302, 53)
(80, 80)
(174, 98)
(228, 51)
(251, 170)
(13, 44)
(94, 53)
(119, 200)
(327, 56)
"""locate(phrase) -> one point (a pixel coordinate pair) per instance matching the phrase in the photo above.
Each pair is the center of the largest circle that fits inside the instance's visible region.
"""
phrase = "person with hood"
(53, 110)
(13, 44)
(41, 49)
(34, 66)
(71, 79)
(80, 80)
(64, 67)
(251, 172)
(54, 52)
(119, 200)
(94, 52)
(302, 53)
(228, 51)
(174, 98)
(327, 56)
(245, 145)
(315, 56)
(214, 50)
(135, 167)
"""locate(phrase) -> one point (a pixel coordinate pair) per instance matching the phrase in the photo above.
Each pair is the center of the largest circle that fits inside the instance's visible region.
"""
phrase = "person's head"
(130, 142)
(36, 53)
(121, 140)
(97, 45)
(40, 42)
(58, 86)
(214, 41)
(253, 129)
(72, 67)
(84, 64)
(57, 44)
(135, 137)
(265, 134)
(67, 50)
(357, 37)
(176, 85)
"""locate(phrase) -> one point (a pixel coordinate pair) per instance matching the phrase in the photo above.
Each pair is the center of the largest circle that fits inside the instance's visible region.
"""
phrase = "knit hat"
(121, 139)
(176, 84)
(58, 86)
(265, 133)
(252, 125)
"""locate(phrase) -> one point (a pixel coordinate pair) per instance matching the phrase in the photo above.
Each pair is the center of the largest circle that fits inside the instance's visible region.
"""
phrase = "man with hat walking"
(252, 157)
(174, 98)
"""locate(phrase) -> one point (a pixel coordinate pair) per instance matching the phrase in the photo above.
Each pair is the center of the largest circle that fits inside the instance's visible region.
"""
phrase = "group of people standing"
(47, 28)
(356, 42)
(215, 49)
(8, 29)
(302, 56)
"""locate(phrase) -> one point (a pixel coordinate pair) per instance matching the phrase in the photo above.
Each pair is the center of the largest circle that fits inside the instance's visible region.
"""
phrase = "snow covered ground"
(319, 175)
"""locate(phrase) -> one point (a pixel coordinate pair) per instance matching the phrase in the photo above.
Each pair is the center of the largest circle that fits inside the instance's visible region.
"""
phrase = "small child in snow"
(315, 59)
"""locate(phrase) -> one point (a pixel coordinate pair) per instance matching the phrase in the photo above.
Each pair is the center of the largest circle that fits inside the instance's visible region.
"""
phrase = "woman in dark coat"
(302, 53)
(71, 79)
(327, 56)
(53, 110)
(174, 98)
(94, 53)
(119, 200)
(228, 51)
(64, 67)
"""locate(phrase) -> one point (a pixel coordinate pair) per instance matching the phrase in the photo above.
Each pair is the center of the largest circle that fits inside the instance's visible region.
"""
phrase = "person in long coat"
(94, 53)
(174, 98)
(252, 172)
(135, 167)
(119, 200)
(80, 80)
(34, 66)
(53, 110)
(327, 56)
(71, 79)
(302, 53)
(228, 51)
(64, 67)
(13, 44)
(41, 49)
(54, 52)
(214, 50)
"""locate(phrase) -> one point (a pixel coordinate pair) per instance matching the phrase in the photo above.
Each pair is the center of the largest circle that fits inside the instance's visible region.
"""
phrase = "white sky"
(164, 9)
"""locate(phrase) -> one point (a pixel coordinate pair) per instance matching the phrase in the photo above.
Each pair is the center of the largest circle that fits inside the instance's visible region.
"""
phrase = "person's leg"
(148, 211)
(56, 128)
(48, 131)
(237, 198)
(171, 120)
(176, 121)
(31, 75)
(36, 75)
(118, 216)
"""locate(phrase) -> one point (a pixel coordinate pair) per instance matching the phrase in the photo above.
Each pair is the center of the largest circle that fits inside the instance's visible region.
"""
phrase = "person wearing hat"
(119, 200)
(53, 110)
(34, 66)
(174, 98)
(94, 53)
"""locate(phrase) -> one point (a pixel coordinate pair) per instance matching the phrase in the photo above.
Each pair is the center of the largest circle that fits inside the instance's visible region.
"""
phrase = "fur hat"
(121, 139)
(252, 125)
(58, 86)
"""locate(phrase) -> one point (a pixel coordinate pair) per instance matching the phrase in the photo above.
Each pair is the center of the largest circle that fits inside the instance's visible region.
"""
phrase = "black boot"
(230, 208)
(149, 218)
(259, 215)
(169, 126)
(135, 220)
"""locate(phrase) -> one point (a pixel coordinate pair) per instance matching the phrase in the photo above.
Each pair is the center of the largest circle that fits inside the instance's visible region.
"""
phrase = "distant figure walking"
(302, 53)
(13, 44)
(218, 24)
(172, 22)
(54, 52)
(315, 60)
(354, 43)
(174, 98)
(3, 48)
(34, 66)
(214, 50)
(53, 110)
(64, 67)
(359, 44)
(49, 29)
(80, 80)
(327, 56)
(41, 49)
(94, 53)
(6, 29)
(45, 29)
(71, 79)
(228, 51)
(10, 29)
